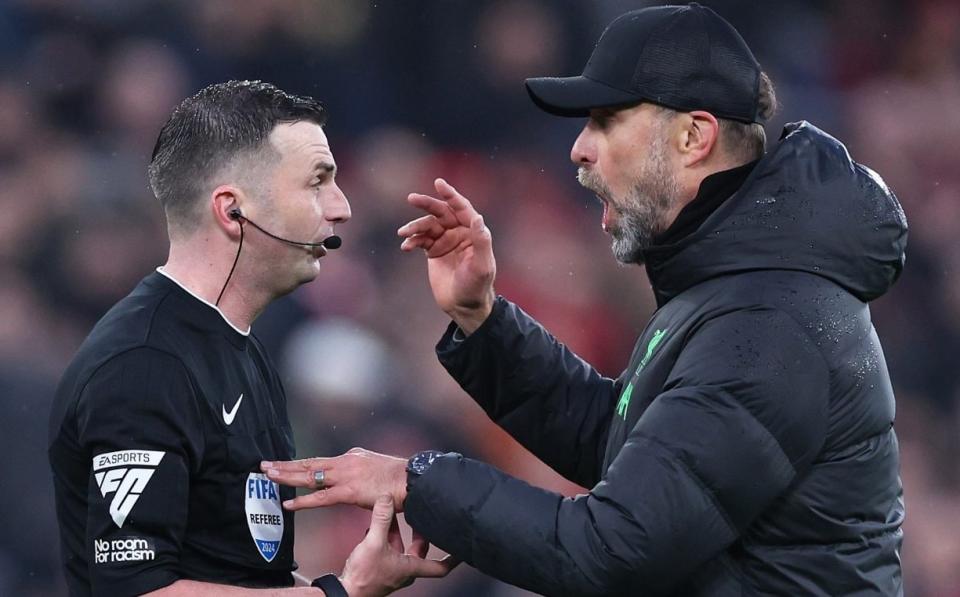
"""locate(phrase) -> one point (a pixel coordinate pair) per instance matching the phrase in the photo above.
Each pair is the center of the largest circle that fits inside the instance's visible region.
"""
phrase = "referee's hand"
(380, 565)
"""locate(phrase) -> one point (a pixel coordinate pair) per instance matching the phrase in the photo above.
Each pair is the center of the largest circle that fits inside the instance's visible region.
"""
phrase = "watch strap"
(331, 585)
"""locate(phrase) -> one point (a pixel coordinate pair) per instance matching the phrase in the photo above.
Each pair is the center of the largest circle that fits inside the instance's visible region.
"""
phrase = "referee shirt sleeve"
(138, 419)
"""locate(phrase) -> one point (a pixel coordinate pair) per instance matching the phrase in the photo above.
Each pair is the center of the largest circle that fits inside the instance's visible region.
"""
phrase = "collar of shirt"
(244, 333)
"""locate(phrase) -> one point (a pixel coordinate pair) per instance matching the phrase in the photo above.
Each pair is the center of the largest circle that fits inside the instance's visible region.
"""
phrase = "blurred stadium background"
(417, 90)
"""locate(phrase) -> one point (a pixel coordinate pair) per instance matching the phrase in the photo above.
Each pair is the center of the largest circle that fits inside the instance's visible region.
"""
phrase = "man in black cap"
(748, 448)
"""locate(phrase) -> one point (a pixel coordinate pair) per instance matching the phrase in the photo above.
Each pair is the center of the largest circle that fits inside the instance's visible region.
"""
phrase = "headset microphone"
(330, 243)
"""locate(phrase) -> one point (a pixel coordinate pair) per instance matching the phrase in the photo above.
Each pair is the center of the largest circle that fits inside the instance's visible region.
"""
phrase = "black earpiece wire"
(235, 260)
(329, 243)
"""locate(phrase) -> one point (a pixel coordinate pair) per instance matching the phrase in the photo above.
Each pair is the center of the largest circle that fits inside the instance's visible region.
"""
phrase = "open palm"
(460, 260)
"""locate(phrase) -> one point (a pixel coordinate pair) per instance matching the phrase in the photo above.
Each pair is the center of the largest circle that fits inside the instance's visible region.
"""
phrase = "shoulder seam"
(772, 308)
(176, 358)
(153, 316)
(125, 351)
(806, 334)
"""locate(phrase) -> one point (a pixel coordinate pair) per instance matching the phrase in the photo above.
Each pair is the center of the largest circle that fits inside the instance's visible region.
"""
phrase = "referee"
(161, 420)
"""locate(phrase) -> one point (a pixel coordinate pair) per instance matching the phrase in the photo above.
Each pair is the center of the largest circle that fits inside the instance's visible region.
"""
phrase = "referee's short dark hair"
(210, 130)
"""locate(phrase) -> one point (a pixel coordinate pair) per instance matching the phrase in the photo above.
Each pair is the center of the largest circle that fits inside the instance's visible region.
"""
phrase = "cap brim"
(575, 96)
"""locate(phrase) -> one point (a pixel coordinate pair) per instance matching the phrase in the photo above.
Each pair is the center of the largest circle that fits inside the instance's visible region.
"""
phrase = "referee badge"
(264, 515)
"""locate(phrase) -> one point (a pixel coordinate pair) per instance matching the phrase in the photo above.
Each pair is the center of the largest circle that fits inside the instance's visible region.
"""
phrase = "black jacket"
(747, 449)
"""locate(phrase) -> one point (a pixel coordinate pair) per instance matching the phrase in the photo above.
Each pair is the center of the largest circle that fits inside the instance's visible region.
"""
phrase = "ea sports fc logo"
(125, 474)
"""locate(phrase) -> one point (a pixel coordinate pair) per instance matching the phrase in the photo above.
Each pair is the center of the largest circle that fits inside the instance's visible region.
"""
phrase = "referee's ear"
(225, 205)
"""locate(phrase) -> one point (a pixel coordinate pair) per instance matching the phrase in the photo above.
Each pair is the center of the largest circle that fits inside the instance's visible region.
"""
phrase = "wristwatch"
(330, 585)
(421, 461)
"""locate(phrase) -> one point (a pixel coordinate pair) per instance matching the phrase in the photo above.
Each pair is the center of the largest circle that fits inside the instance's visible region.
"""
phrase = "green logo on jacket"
(624, 403)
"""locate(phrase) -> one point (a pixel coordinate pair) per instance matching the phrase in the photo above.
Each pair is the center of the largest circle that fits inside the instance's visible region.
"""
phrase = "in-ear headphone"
(235, 213)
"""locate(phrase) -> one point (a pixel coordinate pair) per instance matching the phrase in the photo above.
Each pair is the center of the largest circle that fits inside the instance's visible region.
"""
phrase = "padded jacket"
(747, 449)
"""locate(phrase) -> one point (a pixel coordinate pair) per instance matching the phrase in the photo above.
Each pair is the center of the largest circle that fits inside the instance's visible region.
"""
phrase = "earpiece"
(330, 243)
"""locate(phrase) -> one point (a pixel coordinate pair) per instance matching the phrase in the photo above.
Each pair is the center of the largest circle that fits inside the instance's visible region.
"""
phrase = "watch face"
(422, 461)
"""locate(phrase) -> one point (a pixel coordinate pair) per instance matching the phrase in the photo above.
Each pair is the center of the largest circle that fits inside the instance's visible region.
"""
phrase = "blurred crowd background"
(418, 90)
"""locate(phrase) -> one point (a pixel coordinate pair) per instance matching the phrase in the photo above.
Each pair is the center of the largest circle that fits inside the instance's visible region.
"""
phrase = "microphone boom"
(330, 243)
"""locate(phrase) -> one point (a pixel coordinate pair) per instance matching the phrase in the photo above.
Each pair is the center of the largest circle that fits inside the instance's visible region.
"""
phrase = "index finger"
(435, 207)
(320, 499)
(452, 196)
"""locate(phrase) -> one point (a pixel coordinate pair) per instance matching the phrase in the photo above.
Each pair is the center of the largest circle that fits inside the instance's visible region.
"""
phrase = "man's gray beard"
(644, 211)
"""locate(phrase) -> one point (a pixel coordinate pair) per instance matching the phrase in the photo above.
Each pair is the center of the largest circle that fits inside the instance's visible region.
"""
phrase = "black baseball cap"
(681, 57)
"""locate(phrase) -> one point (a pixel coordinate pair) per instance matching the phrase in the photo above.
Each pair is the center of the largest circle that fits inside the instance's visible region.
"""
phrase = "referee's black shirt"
(156, 435)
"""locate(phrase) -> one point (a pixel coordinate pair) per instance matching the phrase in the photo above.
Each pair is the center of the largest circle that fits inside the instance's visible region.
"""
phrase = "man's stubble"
(643, 214)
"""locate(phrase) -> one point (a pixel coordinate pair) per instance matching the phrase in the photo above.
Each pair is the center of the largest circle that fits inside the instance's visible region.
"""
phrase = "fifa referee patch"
(264, 515)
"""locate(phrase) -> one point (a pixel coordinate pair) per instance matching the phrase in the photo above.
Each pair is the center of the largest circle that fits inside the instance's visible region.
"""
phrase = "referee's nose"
(336, 208)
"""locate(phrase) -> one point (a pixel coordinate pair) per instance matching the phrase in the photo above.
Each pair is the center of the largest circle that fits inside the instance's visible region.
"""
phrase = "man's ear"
(698, 137)
(225, 202)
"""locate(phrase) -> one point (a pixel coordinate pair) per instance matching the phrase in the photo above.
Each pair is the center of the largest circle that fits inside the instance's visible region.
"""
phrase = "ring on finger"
(318, 479)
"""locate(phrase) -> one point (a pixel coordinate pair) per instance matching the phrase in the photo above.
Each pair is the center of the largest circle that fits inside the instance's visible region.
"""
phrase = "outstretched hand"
(357, 477)
(380, 565)
(460, 261)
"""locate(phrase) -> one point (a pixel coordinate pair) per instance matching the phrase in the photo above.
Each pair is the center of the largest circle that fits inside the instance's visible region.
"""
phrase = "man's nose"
(337, 209)
(584, 150)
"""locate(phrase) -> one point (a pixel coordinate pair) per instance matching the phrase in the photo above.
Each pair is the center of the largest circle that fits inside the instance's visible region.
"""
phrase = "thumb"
(380, 520)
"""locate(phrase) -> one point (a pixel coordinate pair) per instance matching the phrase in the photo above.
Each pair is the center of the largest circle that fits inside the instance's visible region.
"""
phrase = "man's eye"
(602, 119)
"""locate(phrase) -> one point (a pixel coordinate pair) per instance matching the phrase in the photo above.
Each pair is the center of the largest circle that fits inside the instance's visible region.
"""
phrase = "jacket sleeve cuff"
(454, 339)
(460, 504)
